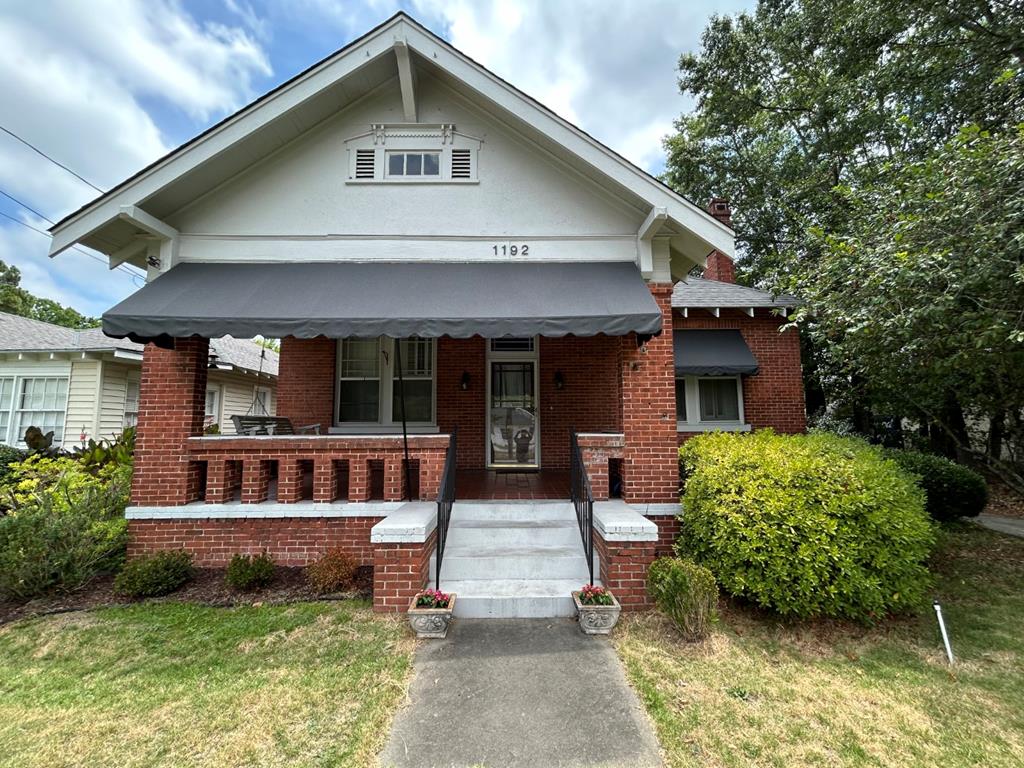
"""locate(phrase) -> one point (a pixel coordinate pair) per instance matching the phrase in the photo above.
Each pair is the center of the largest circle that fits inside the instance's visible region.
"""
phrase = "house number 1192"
(511, 250)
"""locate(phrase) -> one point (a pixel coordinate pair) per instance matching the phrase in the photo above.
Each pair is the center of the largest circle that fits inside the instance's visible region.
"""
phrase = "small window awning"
(712, 353)
(395, 299)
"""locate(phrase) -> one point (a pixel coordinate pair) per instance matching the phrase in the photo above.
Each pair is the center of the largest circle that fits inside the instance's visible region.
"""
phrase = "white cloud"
(608, 67)
(95, 84)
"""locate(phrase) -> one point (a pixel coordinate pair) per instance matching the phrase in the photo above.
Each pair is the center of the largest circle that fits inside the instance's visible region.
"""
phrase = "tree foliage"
(17, 301)
(830, 124)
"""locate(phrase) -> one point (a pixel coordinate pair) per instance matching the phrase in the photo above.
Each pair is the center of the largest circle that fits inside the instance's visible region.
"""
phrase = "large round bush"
(806, 525)
(951, 490)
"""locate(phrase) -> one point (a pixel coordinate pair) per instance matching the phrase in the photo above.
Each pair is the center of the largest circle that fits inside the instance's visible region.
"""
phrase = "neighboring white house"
(82, 384)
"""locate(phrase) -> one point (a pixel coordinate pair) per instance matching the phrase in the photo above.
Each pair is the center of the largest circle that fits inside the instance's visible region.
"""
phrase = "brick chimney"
(720, 267)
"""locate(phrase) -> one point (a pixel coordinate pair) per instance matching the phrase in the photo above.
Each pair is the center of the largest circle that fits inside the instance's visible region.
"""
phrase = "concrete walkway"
(520, 692)
(1011, 525)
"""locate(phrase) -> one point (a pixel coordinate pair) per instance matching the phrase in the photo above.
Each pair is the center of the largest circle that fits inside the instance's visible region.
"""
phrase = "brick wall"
(459, 407)
(589, 399)
(774, 397)
(292, 541)
(172, 405)
(624, 567)
(650, 463)
(720, 267)
(305, 381)
(399, 572)
(668, 532)
(328, 456)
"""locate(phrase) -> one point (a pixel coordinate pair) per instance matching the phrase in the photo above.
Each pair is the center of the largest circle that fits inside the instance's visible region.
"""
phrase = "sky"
(107, 86)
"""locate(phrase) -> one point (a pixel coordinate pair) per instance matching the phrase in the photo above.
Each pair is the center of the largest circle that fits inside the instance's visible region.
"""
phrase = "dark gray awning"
(388, 299)
(712, 353)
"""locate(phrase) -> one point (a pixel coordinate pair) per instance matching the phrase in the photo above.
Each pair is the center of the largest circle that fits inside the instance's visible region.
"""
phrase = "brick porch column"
(650, 466)
(172, 406)
(402, 545)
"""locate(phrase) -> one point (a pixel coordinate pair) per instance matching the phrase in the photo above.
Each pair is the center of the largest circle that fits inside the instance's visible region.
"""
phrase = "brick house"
(475, 302)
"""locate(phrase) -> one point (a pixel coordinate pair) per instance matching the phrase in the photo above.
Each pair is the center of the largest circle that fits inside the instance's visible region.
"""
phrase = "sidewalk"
(522, 692)
(1014, 526)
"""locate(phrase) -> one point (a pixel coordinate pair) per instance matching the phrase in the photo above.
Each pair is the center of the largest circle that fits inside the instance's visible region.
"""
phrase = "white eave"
(698, 232)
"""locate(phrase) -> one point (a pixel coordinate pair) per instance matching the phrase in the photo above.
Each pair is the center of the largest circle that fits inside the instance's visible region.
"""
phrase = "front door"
(512, 413)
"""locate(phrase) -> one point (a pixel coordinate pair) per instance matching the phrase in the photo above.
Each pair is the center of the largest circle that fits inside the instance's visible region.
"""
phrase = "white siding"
(115, 384)
(81, 413)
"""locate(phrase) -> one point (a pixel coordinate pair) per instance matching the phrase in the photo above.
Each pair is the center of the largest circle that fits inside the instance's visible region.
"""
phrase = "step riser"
(513, 512)
(514, 537)
(466, 568)
(514, 607)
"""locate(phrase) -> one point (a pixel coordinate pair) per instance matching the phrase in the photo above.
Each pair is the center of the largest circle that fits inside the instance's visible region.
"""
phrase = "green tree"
(17, 301)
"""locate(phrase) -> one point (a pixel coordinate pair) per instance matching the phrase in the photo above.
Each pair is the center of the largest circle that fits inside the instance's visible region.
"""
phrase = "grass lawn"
(760, 693)
(308, 684)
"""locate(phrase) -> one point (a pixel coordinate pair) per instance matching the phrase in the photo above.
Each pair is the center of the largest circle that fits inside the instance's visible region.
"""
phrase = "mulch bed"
(1004, 502)
(207, 588)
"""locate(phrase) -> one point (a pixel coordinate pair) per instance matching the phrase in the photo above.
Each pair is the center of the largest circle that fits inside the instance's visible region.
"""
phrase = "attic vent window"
(462, 164)
(403, 164)
(364, 164)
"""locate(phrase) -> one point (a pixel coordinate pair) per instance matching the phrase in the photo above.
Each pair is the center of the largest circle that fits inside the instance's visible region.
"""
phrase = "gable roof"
(287, 111)
(23, 334)
(702, 293)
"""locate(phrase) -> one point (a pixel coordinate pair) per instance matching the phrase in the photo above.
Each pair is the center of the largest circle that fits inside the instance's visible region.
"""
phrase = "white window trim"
(12, 437)
(439, 176)
(268, 399)
(8, 408)
(692, 422)
(137, 384)
(218, 410)
(388, 421)
(415, 138)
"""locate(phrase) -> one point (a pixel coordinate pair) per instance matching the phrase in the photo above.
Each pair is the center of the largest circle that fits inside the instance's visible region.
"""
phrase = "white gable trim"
(381, 41)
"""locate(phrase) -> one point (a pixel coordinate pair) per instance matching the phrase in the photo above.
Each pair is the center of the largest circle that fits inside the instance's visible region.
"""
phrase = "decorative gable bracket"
(456, 152)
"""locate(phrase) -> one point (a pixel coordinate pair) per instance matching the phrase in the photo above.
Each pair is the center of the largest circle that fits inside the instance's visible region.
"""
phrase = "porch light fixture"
(212, 361)
(559, 380)
(464, 381)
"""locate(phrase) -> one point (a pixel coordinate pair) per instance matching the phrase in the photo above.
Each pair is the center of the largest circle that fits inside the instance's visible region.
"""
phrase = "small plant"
(432, 598)
(246, 572)
(686, 593)
(95, 455)
(333, 572)
(155, 575)
(593, 595)
(951, 490)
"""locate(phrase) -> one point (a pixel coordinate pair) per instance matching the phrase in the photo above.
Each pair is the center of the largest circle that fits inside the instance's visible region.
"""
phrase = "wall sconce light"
(559, 380)
(212, 361)
(464, 381)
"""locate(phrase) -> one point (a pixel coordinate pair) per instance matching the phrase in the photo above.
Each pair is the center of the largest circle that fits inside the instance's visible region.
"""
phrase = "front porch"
(509, 485)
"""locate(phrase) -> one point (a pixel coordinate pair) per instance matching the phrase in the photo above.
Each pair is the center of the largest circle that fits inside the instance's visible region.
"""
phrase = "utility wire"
(43, 154)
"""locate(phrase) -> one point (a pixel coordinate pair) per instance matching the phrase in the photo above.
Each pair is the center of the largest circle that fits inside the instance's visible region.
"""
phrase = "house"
(82, 385)
(475, 304)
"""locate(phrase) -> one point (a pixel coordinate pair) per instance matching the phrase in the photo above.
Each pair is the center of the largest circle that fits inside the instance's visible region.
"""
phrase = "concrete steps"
(513, 559)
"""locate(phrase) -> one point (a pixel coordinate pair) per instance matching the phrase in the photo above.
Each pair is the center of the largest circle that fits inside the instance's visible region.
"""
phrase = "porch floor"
(477, 484)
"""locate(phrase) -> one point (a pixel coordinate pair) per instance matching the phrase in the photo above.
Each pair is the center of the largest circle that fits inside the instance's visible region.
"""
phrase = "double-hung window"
(709, 402)
(41, 402)
(6, 406)
(131, 403)
(369, 386)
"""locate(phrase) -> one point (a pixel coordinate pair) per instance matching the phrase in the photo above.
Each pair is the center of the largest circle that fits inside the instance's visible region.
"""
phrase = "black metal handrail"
(445, 500)
(582, 499)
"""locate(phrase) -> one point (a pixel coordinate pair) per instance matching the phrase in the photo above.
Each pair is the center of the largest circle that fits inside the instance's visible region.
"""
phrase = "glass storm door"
(514, 434)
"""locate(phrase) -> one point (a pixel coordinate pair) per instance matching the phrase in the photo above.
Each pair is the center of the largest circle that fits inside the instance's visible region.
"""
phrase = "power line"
(26, 207)
(43, 154)
(122, 267)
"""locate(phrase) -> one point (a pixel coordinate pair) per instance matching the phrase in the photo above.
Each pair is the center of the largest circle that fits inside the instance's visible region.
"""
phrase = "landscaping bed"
(208, 587)
(764, 692)
(173, 683)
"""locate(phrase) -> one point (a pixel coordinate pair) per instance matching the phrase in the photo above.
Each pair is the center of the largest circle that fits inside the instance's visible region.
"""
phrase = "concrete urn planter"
(430, 622)
(597, 619)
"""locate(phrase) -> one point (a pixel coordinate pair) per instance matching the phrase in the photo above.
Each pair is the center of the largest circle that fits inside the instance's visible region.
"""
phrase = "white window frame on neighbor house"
(214, 417)
(14, 409)
(262, 397)
(691, 421)
(388, 419)
(131, 403)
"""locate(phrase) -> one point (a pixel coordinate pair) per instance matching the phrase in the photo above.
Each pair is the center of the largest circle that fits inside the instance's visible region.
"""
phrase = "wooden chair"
(271, 425)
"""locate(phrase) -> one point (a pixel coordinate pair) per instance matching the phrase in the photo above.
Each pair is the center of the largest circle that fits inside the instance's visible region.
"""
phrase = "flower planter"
(597, 619)
(430, 622)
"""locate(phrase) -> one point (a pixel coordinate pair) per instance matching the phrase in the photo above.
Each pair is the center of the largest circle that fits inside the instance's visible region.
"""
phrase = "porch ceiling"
(341, 300)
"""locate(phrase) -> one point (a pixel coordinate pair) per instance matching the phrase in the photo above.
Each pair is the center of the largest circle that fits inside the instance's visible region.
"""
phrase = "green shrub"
(334, 572)
(952, 490)
(250, 571)
(686, 593)
(9, 455)
(64, 527)
(155, 575)
(806, 525)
